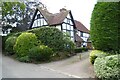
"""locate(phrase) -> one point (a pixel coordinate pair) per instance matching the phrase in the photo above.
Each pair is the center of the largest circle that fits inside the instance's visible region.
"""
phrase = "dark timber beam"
(33, 19)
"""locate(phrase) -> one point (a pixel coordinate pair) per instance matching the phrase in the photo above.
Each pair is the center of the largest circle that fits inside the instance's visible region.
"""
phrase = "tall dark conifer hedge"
(105, 26)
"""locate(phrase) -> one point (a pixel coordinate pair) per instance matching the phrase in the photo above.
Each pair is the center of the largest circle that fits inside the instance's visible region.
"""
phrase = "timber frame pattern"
(63, 20)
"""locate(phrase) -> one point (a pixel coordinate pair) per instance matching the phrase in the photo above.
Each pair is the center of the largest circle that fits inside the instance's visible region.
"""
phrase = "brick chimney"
(63, 9)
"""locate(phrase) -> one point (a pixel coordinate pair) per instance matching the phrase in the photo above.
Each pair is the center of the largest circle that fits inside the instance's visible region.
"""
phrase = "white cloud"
(81, 9)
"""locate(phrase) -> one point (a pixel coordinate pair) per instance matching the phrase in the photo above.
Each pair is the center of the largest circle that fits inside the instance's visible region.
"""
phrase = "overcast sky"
(81, 9)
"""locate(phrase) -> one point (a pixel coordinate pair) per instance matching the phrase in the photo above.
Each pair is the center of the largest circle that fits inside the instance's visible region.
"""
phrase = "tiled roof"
(58, 18)
(53, 19)
(81, 27)
(78, 38)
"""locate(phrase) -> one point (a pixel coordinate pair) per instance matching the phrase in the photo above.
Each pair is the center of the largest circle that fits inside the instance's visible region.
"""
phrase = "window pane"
(72, 33)
(68, 27)
(71, 27)
(81, 34)
(63, 26)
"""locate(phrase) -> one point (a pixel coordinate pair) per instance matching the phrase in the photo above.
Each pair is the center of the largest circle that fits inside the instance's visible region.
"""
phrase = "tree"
(105, 26)
(19, 13)
(12, 12)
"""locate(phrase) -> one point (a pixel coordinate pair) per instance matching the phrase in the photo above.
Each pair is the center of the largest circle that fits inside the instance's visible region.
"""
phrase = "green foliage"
(107, 68)
(69, 45)
(40, 53)
(50, 36)
(96, 53)
(4, 38)
(105, 24)
(84, 48)
(15, 34)
(7, 7)
(3, 42)
(24, 59)
(80, 49)
(9, 44)
(25, 42)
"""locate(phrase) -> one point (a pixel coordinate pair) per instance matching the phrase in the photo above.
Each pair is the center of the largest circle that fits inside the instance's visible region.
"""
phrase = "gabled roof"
(53, 19)
(81, 27)
(78, 38)
(58, 18)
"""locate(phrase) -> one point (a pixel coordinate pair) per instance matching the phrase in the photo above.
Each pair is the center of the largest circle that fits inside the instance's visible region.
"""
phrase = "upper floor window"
(81, 34)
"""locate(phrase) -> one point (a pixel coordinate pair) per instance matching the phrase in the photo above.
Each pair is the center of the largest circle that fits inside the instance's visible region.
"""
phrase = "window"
(68, 27)
(72, 33)
(81, 34)
(63, 26)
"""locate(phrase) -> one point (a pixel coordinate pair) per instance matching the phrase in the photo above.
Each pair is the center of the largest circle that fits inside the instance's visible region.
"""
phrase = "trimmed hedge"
(96, 53)
(9, 44)
(50, 36)
(25, 42)
(107, 68)
(53, 38)
(105, 24)
(80, 49)
(40, 53)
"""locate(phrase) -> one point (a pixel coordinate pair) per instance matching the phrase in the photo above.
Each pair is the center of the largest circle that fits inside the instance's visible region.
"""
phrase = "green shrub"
(50, 36)
(96, 53)
(107, 68)
(9, 44)
(69, 45)
(40, 53)
(57, 40)
(25, 42)
(84, 49)
(4, 38)
(23, 59)
(15, 34)
(105, 24)
(78, 50)
(3, 42)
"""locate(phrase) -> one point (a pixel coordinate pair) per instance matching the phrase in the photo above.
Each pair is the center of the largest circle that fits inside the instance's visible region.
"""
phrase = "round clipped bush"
(25, 42)
(105, 24)
(40, 53)
(9, 44)
(96, 53)
(50, 36)
(107, 68)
